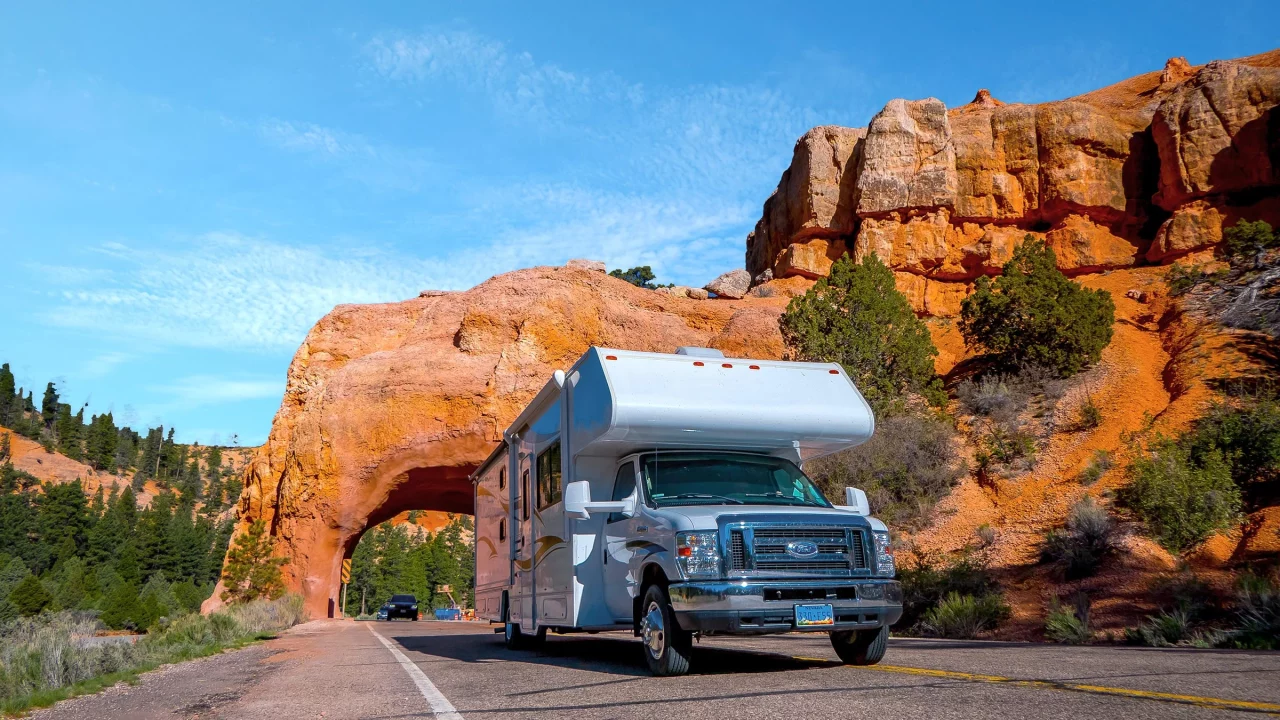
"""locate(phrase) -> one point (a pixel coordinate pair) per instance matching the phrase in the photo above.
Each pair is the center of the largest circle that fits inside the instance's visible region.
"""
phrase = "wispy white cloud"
(311, 138)
(516, 82)
(226, 290)
(103, 364)
(196, 391)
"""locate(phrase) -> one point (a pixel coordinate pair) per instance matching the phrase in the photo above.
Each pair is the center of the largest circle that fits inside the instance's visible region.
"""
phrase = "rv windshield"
(722, 478)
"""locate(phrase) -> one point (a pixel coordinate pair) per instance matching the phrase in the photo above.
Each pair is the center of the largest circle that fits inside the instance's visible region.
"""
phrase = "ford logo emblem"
(802, 548)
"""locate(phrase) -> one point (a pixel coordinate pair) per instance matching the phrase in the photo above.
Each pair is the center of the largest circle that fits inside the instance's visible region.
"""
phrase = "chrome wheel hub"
(654, 634)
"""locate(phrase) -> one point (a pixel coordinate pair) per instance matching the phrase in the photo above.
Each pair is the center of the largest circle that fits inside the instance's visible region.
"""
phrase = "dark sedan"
(404, 606)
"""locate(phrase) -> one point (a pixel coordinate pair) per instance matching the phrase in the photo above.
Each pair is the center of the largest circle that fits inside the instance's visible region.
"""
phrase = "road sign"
(346, 570)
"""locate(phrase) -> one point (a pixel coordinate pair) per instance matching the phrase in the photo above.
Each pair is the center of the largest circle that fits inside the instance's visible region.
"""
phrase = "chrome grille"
(762, 549)
(737, 551)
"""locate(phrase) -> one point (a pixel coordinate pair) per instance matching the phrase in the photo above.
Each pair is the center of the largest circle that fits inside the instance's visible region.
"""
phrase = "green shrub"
(986, 535)
(1257, 624)
(1245, 240)
(1033, 314)
(996, 395)
(1005, 444)
(1090, 414)
(640, 276)
(1088, 539)
(1168, 628)
(928, 579)
(44, 659)
(1098, 465)
(1247, 434)
(1182, 279)
(1069, 625)
(964, 616)
(907, 466)
(857, 317)
(1181, 501)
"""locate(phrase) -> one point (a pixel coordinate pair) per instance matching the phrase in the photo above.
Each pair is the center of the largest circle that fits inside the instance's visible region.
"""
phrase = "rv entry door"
(522, 560)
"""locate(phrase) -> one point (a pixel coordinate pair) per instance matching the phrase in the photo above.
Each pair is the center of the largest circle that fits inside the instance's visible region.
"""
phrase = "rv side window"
(623, 485)
(524, 494)
(549, 476)
(502, 478)
(502, 529)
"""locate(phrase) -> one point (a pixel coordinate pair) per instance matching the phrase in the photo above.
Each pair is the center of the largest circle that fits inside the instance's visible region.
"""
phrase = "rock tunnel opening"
(433, 490)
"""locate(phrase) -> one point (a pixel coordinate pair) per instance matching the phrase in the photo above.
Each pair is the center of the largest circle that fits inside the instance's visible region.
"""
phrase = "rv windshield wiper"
(702, 496)
(780, 496)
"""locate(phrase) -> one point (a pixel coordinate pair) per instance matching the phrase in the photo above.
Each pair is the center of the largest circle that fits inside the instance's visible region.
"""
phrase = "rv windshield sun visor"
(697, 398)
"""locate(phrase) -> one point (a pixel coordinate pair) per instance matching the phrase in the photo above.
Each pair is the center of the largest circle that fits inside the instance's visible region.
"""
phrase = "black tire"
(513, 638)
(667, 648)
(517, 639)
(861, 647)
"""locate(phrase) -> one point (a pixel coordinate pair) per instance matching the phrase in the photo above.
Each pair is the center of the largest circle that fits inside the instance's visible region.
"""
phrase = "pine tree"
(29, 596)
(1032, 314)
(101, 442)
(8, 401)
(170, 460)
(49, 406)
(5, 449)
(251, 571)
(67, 432)
(213, 463)
(858, 318)
(64, 515)
(121, 610)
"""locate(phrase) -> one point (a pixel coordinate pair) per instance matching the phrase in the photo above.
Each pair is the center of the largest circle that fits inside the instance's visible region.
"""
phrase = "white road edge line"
(440, 705)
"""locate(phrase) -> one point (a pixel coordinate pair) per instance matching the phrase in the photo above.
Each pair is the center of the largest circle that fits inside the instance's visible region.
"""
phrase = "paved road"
(337, 669)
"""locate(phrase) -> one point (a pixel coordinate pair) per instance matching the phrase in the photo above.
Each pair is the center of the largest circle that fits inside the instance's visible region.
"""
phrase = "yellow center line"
(1198, 700)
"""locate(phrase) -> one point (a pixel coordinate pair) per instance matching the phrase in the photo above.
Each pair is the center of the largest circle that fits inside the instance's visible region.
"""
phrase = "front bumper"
(760, 606)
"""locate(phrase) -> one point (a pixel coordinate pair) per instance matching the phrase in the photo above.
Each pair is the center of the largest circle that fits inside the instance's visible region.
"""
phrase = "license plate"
(811, 615)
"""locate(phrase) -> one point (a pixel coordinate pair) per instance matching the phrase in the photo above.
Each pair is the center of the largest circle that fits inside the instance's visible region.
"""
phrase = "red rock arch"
(389, 407)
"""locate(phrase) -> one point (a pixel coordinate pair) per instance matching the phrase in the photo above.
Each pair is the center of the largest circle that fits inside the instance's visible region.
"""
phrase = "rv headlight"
(698, 554)
(884, 556)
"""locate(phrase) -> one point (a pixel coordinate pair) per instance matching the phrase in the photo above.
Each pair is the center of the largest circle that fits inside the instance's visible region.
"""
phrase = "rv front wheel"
(861, 647)
(666, 647)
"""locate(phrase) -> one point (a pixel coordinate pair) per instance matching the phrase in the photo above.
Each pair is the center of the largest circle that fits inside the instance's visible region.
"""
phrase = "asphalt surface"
(335, 669)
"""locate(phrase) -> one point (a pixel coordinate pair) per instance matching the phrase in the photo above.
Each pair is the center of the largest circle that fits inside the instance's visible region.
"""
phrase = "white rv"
(663, 493)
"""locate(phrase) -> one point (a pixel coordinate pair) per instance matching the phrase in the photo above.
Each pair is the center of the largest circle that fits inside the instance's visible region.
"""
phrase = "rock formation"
(1146, 170)
(389, 407)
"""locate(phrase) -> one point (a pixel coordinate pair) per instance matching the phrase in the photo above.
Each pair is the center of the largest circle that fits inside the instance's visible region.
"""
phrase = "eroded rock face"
(1146, 170)
(389, 407)
(814, 199)
(908, 160)
(1218, 132)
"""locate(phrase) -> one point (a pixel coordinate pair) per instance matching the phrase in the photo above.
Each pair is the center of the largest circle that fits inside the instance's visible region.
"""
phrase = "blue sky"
(186, 187)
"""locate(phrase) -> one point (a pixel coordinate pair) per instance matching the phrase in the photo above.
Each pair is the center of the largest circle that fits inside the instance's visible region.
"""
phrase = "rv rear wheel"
(666, 647)
(861, 647)
(516, 639)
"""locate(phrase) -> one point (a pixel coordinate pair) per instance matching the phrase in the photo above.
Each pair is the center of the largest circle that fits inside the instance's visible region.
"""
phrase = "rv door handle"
(642, 528)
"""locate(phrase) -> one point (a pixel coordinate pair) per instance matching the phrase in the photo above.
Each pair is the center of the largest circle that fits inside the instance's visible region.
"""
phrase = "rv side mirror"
(577, 495)
(855, 501)
(578, 504)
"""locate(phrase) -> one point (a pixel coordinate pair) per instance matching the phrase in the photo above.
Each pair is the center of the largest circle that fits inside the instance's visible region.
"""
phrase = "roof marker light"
(754, 367)
(697, 363)
(610, 357)
(834, 372)
(726, 365)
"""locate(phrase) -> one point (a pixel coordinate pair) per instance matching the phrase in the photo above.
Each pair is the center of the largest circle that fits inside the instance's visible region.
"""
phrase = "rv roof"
(624, 400)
